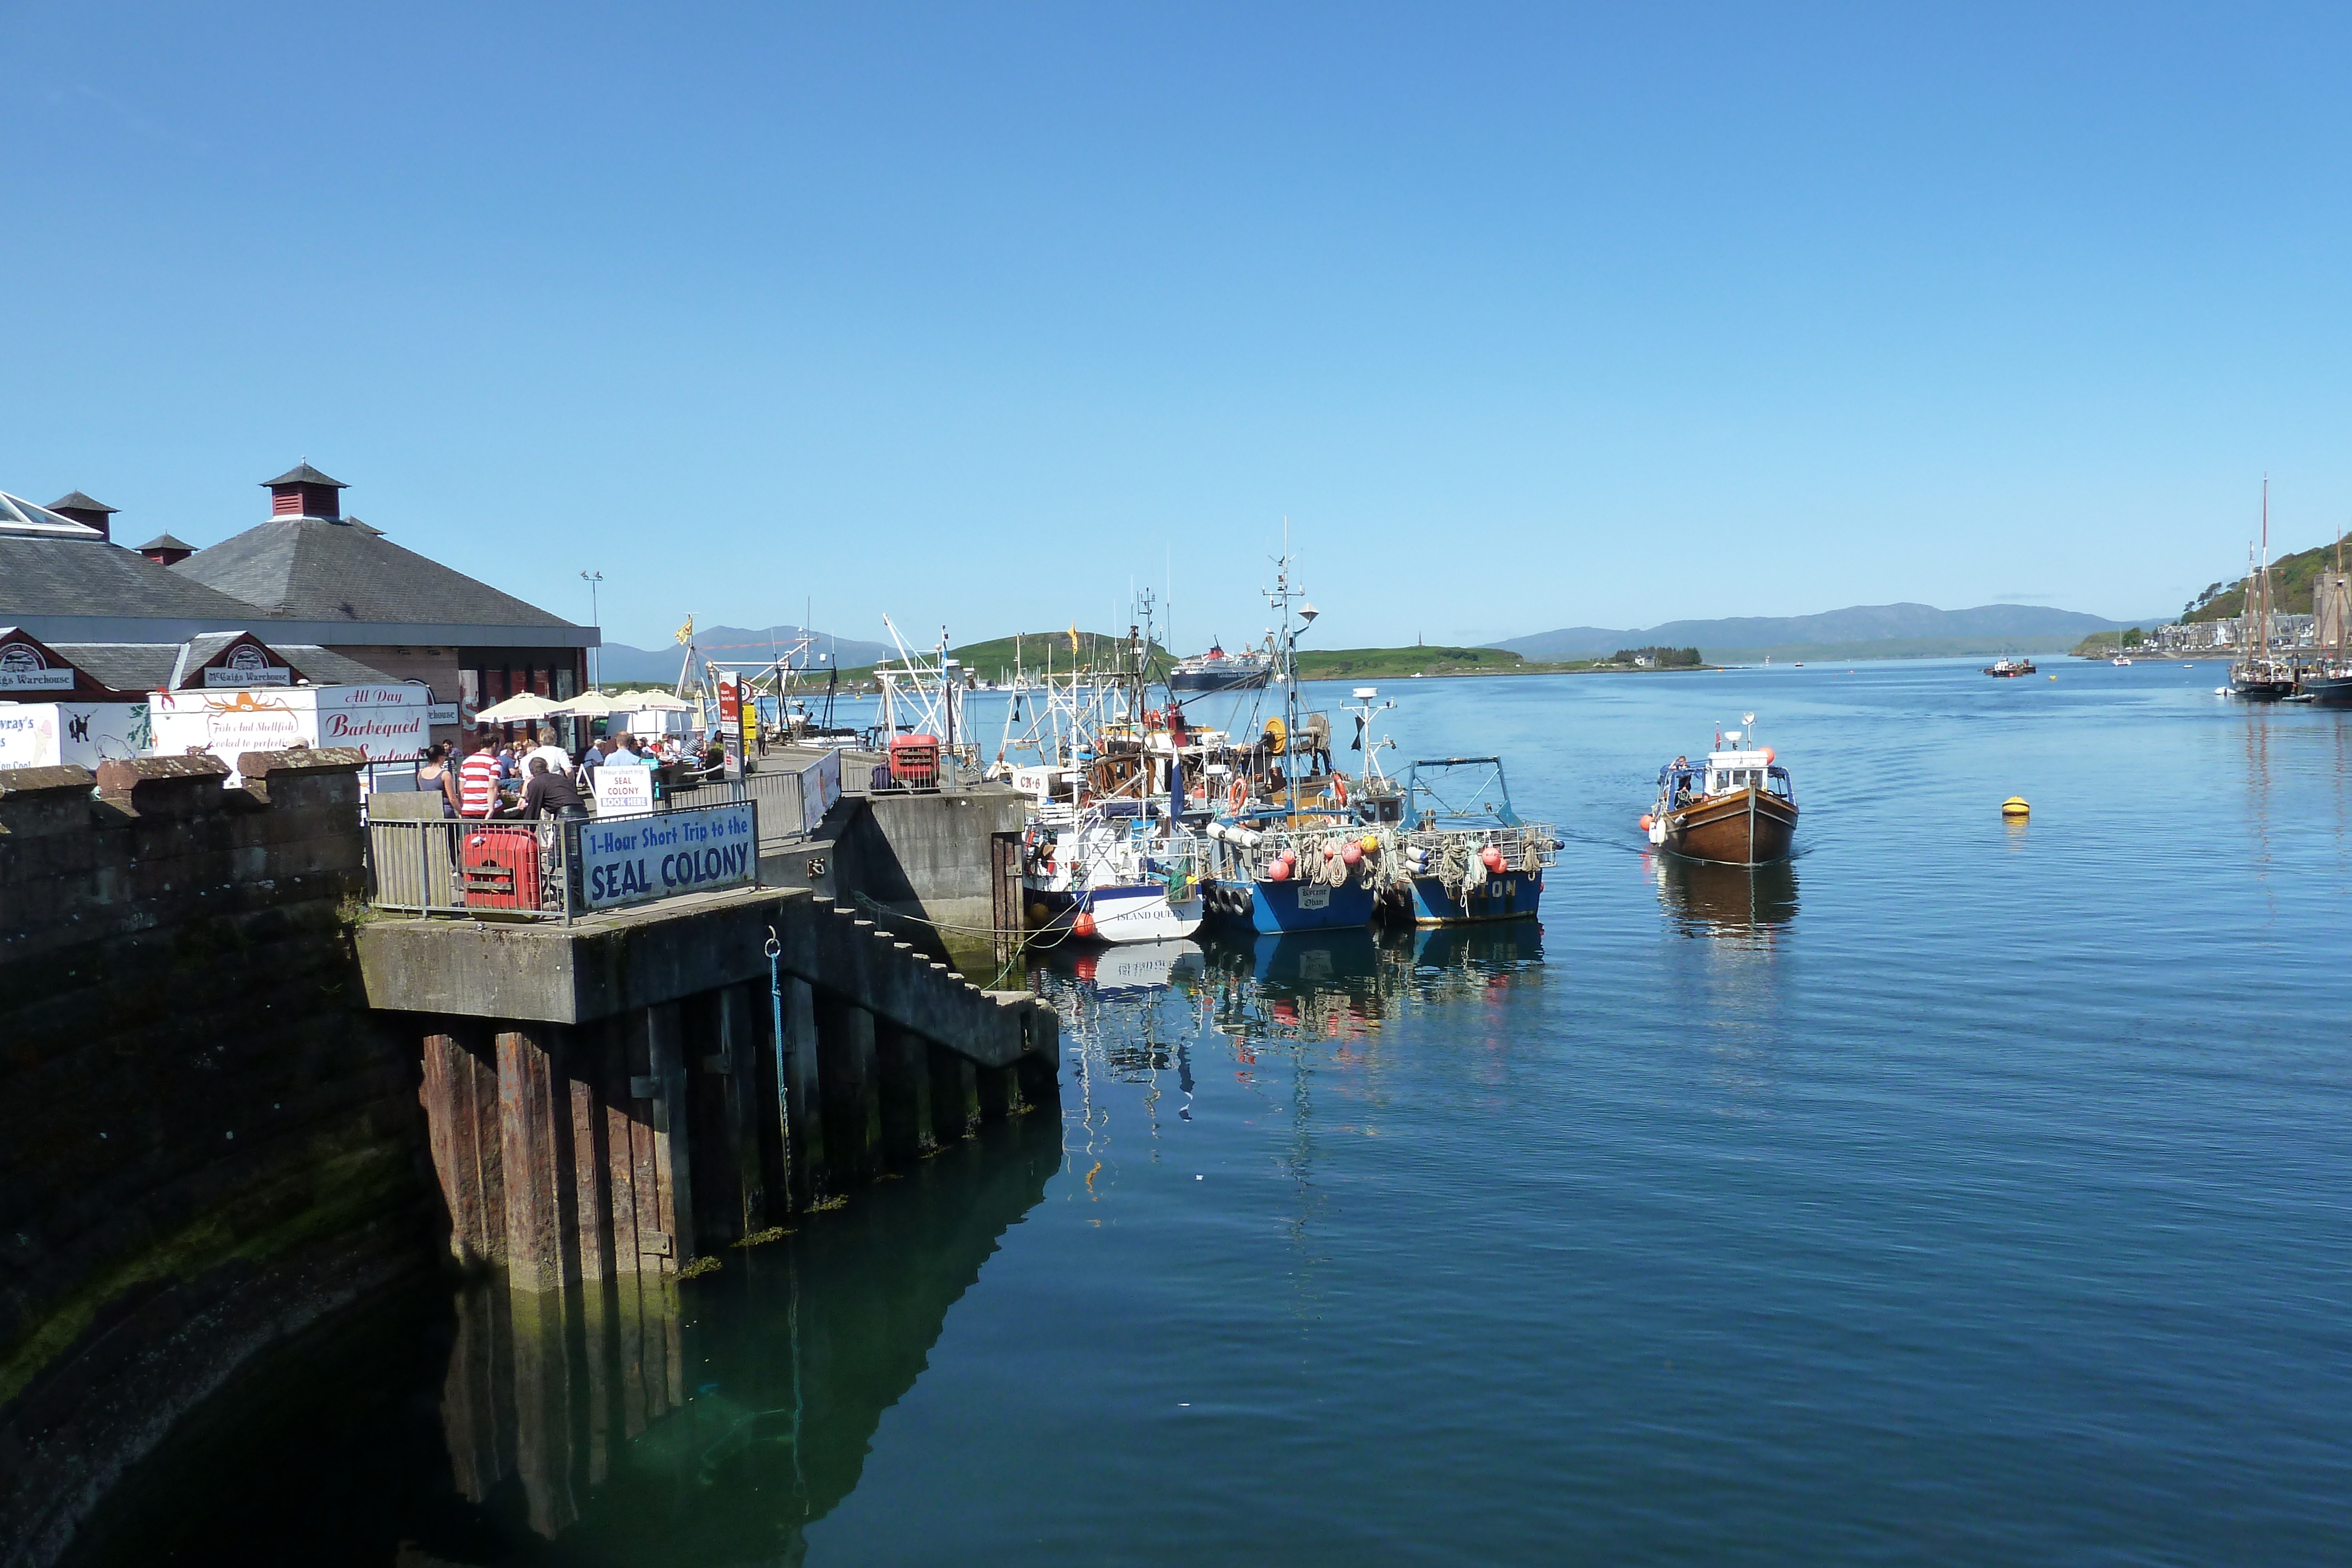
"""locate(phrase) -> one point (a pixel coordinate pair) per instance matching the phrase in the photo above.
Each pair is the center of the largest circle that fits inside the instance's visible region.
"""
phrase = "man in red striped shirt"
(478, 781)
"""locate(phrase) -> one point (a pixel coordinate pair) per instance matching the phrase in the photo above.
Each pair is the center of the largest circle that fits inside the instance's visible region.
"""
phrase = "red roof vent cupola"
(83, 509)
(303, 492)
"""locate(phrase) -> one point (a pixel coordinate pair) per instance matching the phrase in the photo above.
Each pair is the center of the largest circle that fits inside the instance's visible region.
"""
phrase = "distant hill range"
(730, 645)
(2290, 580)
(1859, 631)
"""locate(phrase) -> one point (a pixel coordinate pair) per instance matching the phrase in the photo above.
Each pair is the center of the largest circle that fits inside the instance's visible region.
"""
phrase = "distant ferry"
(1218, 671)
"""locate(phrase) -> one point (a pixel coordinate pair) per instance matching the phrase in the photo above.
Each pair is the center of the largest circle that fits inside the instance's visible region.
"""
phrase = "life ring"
(1238, 795)
(1339, 788)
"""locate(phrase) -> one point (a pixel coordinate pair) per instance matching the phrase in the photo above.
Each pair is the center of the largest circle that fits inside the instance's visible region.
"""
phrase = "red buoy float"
(1493, 857)
(1351, 852)
(1084, 926)
(1645, 823)
(1278, 871)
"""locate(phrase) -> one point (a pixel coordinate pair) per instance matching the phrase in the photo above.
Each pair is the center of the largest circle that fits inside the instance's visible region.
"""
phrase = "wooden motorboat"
(1737, 808)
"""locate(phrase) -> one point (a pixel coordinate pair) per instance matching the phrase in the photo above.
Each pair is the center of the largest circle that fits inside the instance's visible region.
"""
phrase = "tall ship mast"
(2258, 676)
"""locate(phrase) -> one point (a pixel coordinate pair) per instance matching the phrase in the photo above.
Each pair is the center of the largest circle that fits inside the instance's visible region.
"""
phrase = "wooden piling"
(802, 1111)
(740, 1038)
(535, 1125)
(1000, 1093)
(955, 1096)
(672, 1145)
(460, 1095)
(853, 1105)
(907, 1135)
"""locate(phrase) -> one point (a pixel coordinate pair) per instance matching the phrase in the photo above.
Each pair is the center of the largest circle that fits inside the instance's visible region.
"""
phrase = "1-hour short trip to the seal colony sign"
(386, 722)
(638, 858)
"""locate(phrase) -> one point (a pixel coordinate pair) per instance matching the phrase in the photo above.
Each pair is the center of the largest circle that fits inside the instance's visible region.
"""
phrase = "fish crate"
(915, 761)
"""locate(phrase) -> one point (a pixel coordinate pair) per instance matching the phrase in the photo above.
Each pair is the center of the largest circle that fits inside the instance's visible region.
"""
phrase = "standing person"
(436, 774)
(478, 782)
(557, 760)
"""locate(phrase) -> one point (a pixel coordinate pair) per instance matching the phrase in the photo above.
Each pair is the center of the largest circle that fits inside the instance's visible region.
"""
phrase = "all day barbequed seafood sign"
(387, 722)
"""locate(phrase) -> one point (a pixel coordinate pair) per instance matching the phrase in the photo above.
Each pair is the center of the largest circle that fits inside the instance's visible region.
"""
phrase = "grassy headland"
(2290, 580)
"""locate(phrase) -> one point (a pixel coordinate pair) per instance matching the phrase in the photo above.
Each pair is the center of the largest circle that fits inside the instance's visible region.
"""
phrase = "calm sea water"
(1967, 1191)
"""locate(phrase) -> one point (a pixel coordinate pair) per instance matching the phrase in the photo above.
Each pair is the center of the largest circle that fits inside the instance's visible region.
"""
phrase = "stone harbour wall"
(207, 1142)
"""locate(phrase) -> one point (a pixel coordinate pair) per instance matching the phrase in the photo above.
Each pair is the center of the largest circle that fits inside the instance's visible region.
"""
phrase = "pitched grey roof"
(81, 503)
(151, 666)
(312, 568)
(167, 541)
(48, 577)
(303, 474)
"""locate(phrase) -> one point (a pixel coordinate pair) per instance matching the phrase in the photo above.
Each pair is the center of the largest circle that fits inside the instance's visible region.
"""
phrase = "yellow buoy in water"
(2015, 806)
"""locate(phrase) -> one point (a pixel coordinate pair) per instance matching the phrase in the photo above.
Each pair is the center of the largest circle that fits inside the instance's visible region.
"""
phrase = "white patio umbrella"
(593, 704)
(521, 706)
(656, 701)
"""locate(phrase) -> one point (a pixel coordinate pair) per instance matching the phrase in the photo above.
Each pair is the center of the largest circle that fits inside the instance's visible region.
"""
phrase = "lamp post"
(592, 578)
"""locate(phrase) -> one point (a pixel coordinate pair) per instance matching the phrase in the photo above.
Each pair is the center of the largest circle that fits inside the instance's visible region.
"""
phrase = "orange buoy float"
(1769, 755)
(1645, 825)
(1493, 857)
(1084, 926)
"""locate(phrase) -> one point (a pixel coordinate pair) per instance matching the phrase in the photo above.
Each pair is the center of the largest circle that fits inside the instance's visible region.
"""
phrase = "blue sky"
(1524, 316)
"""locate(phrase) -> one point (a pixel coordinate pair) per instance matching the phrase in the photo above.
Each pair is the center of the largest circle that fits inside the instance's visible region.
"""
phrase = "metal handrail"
(558, 868)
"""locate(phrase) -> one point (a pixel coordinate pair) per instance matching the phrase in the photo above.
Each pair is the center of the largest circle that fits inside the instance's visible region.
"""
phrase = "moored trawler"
(1737, 808)
(2006, 666)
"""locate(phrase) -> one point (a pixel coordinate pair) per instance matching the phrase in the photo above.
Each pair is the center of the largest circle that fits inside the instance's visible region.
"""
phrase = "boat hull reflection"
(1709, 898)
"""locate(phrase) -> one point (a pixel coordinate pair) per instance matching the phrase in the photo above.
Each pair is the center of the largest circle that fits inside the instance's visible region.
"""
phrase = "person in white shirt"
(559, 761)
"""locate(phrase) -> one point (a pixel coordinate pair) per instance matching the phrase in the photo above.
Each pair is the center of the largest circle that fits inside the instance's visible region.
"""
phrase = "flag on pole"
(686, 633)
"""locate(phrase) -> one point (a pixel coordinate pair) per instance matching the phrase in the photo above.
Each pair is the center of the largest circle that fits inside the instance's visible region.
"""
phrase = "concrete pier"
(614, 1098)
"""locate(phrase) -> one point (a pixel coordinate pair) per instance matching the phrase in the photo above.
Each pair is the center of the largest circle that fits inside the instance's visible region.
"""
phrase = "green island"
(1034, 653)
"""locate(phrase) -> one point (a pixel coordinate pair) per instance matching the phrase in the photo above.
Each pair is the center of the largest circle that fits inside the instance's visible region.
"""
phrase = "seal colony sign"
(693, 851)
(23, 669)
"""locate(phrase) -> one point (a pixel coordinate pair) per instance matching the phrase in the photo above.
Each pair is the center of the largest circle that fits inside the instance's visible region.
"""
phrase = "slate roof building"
(307, 578)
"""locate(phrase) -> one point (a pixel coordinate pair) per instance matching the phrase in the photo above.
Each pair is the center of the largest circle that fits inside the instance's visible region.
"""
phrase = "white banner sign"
(624, 789)
(251, 675)
(387, 722)
(44, 735)
(656, 857)
(820, 787)
(36, 680)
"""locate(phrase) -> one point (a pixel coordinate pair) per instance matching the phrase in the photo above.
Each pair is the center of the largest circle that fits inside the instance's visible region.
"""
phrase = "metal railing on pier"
(559, 869)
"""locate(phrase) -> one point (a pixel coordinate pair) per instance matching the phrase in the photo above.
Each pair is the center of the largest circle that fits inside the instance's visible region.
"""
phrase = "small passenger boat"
(1737, 808)
(2007, 667)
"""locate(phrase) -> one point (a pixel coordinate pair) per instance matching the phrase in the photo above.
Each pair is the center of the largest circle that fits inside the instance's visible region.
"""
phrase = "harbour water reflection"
(1967, 1190)
(1743, 904)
